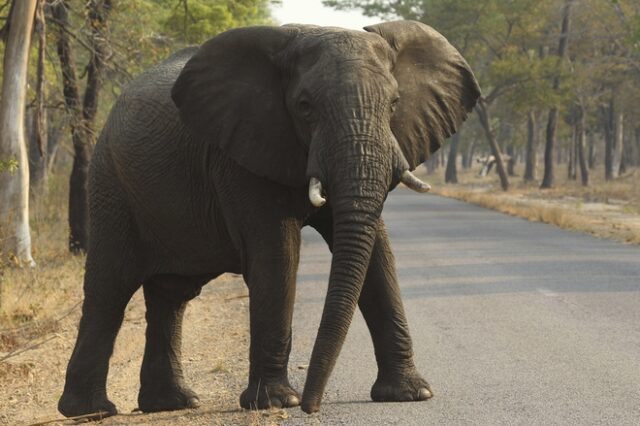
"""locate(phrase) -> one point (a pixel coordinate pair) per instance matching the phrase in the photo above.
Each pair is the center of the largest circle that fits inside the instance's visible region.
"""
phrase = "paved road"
(514, 323)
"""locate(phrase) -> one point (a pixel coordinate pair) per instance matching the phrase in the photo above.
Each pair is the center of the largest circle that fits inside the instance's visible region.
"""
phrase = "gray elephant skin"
(214, 160)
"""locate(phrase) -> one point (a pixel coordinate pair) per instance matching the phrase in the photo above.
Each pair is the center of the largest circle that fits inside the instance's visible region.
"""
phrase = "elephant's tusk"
(413, 182)
(315, 193)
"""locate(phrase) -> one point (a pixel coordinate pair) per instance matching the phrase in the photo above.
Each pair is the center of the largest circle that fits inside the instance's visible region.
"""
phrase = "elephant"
(214, 160)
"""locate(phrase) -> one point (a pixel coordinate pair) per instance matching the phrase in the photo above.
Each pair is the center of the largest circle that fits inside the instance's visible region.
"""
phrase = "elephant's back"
(145, 103)
(156, 82)
(144, 125)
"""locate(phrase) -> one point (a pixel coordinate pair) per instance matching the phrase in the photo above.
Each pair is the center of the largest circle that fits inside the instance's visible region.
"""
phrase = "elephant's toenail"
(292, 401)
(193, 402)
(423, 394)
(275, 403)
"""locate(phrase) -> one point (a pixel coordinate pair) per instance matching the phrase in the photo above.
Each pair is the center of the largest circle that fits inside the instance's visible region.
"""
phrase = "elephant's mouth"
(410, 180)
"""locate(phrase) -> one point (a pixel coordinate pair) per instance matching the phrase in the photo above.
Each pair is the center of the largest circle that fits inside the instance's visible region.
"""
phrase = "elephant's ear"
(437, 87)
(231, 93)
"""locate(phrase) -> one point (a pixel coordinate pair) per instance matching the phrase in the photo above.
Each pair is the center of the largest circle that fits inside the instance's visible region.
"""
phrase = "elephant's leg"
(108, 288)
(383, 311)
(162, 385)
(271, 280)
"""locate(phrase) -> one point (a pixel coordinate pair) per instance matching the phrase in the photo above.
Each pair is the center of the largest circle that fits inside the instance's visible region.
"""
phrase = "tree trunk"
(580, 144)
(547, 180)
(608, 141)
(15, 235)
(38, 144)
(511, 163)
(38, 175)
(572, 164)
(82, 133)
(531, 152)
(467, 157)
(592, 151)
(451, 172)
(485, 120)
(636, 156)
(618, 141)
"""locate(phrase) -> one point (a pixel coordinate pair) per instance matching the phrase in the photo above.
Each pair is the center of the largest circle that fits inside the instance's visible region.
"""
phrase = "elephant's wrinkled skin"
(203, 168)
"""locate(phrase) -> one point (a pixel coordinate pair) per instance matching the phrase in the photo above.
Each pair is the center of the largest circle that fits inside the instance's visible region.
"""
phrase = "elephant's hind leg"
(109, 284)
(162, 385)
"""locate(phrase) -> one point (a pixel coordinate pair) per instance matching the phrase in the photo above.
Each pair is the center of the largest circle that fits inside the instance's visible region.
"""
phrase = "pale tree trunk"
(581, 146)
(618, 141)
(15, 235)
(547, 180)
(485, 120)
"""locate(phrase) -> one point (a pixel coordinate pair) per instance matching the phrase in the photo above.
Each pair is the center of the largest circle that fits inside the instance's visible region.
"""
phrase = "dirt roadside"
(215, 351)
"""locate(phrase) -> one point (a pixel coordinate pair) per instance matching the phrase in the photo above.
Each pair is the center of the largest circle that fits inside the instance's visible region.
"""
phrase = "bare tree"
(618, 139)
(547, 180)
(15, 239)
(83, 116)
(485, 120)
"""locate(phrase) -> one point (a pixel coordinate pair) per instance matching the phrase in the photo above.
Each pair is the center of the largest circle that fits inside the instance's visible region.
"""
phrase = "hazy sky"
(313, 12)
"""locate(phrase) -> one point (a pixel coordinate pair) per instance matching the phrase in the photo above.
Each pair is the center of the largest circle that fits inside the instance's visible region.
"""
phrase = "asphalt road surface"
(513, 322)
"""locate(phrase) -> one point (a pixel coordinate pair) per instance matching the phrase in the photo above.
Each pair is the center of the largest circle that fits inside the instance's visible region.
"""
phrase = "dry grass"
(32, 300)
(608, 209)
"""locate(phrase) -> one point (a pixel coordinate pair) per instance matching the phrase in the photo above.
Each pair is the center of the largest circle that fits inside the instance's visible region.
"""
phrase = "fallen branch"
(93, 416)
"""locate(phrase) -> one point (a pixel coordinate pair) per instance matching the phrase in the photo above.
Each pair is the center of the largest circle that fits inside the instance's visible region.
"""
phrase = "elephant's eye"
(394, 104)
(305, 108)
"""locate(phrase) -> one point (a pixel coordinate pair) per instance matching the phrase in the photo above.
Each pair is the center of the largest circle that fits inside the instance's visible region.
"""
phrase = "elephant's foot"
(400, 387)
(167, 399)
(83, 404)
(259, 396)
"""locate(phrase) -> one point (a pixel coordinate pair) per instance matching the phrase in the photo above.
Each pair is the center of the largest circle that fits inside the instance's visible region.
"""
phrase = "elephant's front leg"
(270, 276)
(381, 306)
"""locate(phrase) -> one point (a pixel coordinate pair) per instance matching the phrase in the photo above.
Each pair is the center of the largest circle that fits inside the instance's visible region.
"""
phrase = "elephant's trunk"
(356, 202)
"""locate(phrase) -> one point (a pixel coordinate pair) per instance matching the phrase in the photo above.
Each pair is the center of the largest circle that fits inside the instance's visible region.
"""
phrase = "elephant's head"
(349, 111)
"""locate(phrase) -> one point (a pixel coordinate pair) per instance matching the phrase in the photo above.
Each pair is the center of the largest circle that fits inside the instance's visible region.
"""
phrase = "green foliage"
(511, 46)
(194, 21)
(11, 166)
